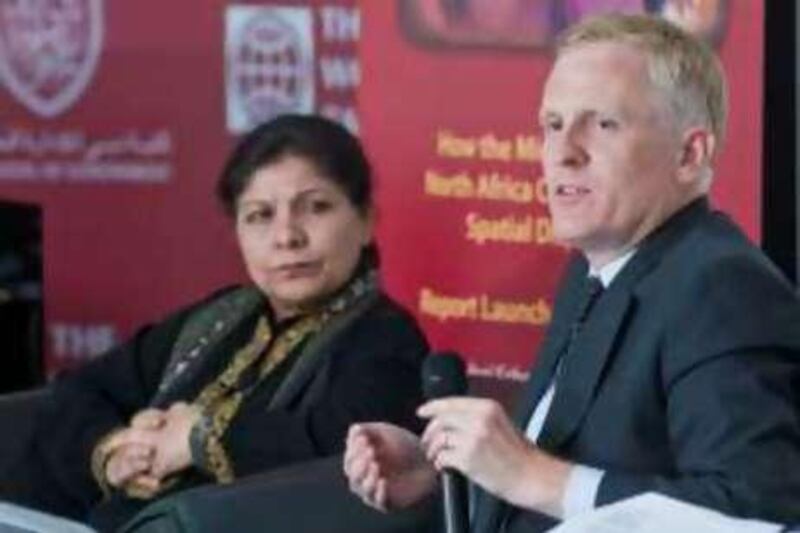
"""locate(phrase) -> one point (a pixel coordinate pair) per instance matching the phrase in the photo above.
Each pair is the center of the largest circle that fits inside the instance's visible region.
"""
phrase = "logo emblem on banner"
(49, 50)
(269, 60)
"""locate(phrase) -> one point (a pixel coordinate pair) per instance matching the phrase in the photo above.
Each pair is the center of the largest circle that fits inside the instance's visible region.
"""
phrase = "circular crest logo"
(270, 68)
(49, 50)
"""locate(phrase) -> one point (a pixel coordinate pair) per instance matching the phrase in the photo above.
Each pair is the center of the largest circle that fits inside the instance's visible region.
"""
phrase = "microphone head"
(443, 375)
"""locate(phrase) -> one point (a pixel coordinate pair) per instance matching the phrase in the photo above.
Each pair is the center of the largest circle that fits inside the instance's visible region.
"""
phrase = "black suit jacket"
(684, 380)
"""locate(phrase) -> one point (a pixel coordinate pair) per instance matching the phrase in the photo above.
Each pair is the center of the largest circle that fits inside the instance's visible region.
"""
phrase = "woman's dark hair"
(335, 152)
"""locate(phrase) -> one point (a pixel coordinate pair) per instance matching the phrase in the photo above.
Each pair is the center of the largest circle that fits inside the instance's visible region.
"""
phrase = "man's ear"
(696, 154)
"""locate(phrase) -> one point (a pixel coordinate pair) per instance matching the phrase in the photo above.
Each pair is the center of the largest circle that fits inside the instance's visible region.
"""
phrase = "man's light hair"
(682, 66)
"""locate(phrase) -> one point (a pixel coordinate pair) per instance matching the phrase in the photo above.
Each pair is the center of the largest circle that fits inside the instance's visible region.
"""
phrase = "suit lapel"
(584, 367)
(316, 352)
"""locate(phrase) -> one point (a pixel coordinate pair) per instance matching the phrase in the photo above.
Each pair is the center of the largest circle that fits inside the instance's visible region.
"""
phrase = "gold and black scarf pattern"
(221, 399)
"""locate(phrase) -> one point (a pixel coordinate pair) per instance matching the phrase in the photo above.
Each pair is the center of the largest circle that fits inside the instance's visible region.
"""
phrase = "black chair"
(18, 411)
(21, 303)
(311, 497)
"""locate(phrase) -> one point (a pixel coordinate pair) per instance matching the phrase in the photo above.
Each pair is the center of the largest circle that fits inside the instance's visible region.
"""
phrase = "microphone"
(443, 375)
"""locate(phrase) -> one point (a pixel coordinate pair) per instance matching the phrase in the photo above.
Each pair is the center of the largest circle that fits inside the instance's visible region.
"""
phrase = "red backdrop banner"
(116, 117)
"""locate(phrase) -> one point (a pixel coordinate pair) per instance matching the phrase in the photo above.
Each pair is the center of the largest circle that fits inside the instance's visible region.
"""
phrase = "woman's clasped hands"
(140, 457)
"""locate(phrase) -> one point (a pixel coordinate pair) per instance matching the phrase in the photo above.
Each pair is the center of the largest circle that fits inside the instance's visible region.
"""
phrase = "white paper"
(656, 513)
(16, 519)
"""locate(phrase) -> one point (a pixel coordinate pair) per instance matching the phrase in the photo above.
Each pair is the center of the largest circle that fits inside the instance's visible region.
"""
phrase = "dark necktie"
(590, 292)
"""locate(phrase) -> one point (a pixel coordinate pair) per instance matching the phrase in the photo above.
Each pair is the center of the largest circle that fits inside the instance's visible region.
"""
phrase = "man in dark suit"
(681, 375)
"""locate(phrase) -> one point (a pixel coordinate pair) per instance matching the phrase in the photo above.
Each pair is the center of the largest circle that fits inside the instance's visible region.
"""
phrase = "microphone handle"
(456, 515)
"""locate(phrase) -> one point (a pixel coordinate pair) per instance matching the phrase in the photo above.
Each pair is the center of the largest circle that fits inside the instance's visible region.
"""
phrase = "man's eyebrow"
(586, 113)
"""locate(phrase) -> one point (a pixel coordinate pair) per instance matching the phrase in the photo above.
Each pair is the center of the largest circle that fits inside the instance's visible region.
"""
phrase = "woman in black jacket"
(253, 377)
